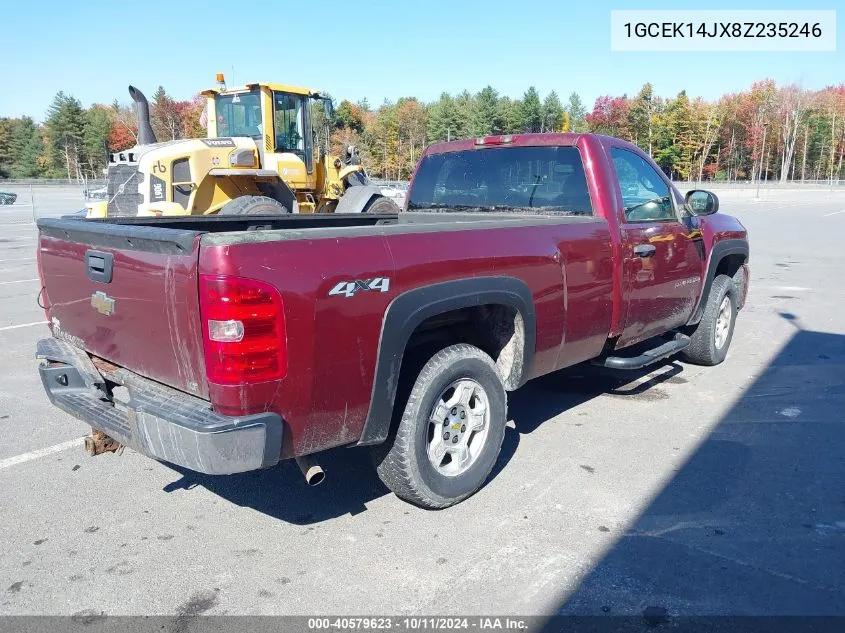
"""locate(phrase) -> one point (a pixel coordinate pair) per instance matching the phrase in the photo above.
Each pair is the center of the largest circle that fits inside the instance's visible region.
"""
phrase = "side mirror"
(328, 106)
(701, 202)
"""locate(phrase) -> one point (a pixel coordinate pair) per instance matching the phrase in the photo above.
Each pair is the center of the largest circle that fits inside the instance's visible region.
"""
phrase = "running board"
(647, 358)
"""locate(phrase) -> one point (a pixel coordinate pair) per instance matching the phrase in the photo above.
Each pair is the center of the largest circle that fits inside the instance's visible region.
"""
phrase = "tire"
(712, 337)
(380, 204)
(253, 205)
(403, 464)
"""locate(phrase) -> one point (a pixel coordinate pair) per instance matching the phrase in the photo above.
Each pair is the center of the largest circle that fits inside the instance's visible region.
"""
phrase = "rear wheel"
(713, 334)
(380, 204)
(253, 205)
(450, 431)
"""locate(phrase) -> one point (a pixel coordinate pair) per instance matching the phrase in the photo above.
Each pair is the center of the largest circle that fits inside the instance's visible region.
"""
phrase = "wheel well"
(730, 264)
(498, 330)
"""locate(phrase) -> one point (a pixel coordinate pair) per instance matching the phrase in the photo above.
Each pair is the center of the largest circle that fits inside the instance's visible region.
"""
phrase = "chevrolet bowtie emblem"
(102, 303)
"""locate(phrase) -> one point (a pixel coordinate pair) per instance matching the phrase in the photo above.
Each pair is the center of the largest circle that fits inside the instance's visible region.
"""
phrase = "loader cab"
(277, 117)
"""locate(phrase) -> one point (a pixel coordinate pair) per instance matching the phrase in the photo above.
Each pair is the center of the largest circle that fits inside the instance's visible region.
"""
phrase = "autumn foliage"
(764, 132)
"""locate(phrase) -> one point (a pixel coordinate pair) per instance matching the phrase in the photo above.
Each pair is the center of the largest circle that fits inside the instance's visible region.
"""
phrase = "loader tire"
(380, 204)
(253, 205)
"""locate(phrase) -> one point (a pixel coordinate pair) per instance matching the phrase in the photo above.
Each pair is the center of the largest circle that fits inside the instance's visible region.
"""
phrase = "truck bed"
(155, 327)
(177, 234)
(311, 222)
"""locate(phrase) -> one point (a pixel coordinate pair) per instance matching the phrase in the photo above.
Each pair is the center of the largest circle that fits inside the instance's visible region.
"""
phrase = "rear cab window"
(545, 179)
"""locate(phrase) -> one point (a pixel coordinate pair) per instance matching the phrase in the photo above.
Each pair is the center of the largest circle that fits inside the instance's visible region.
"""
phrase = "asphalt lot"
(698, 491)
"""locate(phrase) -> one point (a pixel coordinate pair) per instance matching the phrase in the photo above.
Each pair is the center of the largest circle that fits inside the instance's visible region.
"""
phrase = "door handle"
(99, 266)
(644, 250)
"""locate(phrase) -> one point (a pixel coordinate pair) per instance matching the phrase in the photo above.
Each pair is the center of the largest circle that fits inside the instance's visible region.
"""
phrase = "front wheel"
(451, 430)
(712, 336)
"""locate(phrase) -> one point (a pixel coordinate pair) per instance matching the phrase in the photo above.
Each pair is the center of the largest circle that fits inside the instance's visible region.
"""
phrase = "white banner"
(723, 30)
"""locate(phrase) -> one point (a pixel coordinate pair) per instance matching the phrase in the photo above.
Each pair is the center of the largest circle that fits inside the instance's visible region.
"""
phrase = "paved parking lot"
(698, 491)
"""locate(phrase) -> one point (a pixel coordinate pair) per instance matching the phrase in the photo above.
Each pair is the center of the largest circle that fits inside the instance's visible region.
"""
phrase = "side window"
(287, 121)
(644, 194)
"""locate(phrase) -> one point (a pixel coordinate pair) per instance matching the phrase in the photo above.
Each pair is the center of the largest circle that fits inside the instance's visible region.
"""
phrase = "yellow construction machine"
(261, 156)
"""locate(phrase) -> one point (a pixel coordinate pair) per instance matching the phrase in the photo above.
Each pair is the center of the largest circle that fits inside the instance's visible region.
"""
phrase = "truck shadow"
(281, 492)
(753, 523)
(351, 481)
(564, 390)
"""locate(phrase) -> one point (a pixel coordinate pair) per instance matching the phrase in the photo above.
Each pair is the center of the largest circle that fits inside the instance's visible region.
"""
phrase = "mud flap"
(356, 198)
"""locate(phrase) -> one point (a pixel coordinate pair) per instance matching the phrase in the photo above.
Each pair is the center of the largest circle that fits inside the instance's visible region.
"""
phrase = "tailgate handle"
(99, 266)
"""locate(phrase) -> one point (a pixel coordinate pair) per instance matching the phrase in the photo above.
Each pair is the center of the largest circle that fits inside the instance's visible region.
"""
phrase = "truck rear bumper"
(158, 421)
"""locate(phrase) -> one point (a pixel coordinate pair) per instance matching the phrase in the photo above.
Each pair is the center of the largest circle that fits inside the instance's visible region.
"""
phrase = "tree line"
(764, 132)
(74, 142)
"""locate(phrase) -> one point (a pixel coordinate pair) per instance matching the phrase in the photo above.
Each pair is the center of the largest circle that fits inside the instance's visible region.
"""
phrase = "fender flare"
(718, 252)
(349, 169)
(356, 198)
(411, 308)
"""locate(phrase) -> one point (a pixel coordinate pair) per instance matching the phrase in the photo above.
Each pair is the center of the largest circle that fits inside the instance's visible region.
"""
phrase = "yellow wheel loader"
(259, 158)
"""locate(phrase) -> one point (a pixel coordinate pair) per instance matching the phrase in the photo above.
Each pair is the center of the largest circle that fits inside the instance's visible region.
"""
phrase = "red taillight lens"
(243, 330)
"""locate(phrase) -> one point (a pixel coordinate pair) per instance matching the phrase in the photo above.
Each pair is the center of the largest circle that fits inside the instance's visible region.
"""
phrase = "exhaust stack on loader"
(146, 136)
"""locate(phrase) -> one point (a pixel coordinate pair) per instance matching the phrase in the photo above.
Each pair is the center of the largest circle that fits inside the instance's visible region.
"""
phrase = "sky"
(367, 49)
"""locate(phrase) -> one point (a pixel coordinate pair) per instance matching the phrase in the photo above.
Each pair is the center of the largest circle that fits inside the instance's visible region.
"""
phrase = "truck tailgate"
(128, 294)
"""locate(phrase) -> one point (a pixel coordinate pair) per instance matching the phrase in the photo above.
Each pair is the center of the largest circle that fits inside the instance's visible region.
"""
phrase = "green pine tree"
(95, 140)
(641, 116)
(552, 113)
(486, 112)
(577, 112)
(7, 126)
(65, 130)
(509, 116)
(532, 111)
(442, 120)
(464, 114)
(26, 150)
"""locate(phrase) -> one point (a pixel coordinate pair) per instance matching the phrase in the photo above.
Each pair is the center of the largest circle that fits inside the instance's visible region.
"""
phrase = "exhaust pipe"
(146, 136)
(314, 475)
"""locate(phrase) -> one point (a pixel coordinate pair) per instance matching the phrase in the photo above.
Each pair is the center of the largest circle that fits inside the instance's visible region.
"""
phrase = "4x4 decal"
(349, 288)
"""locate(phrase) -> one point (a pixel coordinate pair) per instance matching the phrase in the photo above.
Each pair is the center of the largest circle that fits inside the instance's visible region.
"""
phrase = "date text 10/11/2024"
(417, 624)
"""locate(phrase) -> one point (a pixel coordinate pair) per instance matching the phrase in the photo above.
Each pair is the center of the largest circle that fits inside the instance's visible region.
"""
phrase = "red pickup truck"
(224, 344)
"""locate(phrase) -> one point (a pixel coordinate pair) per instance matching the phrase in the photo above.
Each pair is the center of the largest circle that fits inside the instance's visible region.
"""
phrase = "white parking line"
(17, 281)
(41, 452)
(827, 215)
(15, 327)
(17, 259)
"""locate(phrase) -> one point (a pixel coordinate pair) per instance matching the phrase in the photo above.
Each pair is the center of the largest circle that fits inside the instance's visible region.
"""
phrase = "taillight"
(243, 330)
